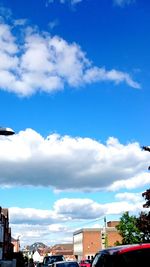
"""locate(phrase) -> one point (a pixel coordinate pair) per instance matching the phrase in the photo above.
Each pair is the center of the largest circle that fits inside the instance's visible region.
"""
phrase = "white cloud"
(136, 181)
(76, 209)
(87, 209)
(48, 234)
(100, 74)
(126, 196)
(53, 24)
(55, 162)
(32, 216)
(79, 208)
(31, 61)
(122, 3)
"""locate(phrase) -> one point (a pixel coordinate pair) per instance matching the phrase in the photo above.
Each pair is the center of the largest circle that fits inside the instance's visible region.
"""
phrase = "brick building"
(86, 242)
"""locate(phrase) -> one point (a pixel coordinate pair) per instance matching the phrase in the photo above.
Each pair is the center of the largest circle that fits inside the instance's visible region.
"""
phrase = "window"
(137, 258)
(102, 260)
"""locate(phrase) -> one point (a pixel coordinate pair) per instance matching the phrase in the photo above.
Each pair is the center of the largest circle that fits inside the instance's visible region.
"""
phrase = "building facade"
(86, 242)
(6, 247)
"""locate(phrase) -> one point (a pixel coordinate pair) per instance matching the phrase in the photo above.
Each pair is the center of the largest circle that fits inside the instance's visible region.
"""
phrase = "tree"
(146, 148)
(146, 194)
(136, 230)
(143, 222)
(128, 230)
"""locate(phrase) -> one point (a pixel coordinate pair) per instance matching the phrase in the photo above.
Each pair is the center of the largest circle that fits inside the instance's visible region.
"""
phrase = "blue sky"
(74, 85)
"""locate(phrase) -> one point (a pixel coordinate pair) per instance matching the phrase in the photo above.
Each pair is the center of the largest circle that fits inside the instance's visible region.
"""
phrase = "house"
(37, 257)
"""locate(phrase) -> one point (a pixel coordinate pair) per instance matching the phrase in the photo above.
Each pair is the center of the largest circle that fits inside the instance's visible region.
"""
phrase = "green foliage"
(128, 230)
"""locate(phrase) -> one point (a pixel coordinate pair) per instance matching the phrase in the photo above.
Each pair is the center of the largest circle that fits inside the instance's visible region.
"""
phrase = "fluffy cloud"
(66, 209)
(33, 216)
(85, 209)
(71, 163)
(126, 196)
(132, 183)
(32, 61)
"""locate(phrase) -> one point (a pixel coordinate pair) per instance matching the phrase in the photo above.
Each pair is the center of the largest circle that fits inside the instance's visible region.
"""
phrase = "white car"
(49, 260)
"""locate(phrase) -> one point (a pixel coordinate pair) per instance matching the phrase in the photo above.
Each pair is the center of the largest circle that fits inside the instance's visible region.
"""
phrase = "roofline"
(125, 248)
(134, 247)
(108, 229)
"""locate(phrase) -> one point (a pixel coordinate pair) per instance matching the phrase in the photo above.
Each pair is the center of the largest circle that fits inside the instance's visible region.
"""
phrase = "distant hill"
(37, 245)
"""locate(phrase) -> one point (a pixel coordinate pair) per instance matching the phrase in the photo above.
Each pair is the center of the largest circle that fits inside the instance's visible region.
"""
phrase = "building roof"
(68, 246)
(13, 239)
(108, 229)
(87, 230)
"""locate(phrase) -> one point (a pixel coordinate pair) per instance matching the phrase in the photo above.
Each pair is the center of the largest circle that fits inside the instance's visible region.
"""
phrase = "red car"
(85, 263)
(123, 256)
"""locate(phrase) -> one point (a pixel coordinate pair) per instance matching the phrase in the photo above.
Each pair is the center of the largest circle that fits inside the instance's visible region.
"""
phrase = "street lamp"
(6, 131)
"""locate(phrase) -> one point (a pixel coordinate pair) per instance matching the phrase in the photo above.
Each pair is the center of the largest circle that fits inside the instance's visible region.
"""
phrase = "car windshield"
(67, 264)
(51, 259)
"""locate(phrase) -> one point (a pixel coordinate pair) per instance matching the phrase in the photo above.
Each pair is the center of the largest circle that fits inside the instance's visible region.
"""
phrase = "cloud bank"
(32, 61)
(77, 209)
(66, 216)
(71, 163)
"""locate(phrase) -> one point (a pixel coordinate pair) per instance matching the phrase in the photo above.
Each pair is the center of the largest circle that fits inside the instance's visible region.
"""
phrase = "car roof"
(53, 256)
(65, 262)
(124, 248)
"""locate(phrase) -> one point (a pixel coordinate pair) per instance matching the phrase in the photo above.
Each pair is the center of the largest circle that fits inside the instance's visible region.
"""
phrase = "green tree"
(128, 230)
(143, 222)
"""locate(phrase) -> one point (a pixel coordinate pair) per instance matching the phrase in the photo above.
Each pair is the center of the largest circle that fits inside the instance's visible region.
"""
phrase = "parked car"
(65, 264)
(85, 263)
(123, 256)
(49, 260)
